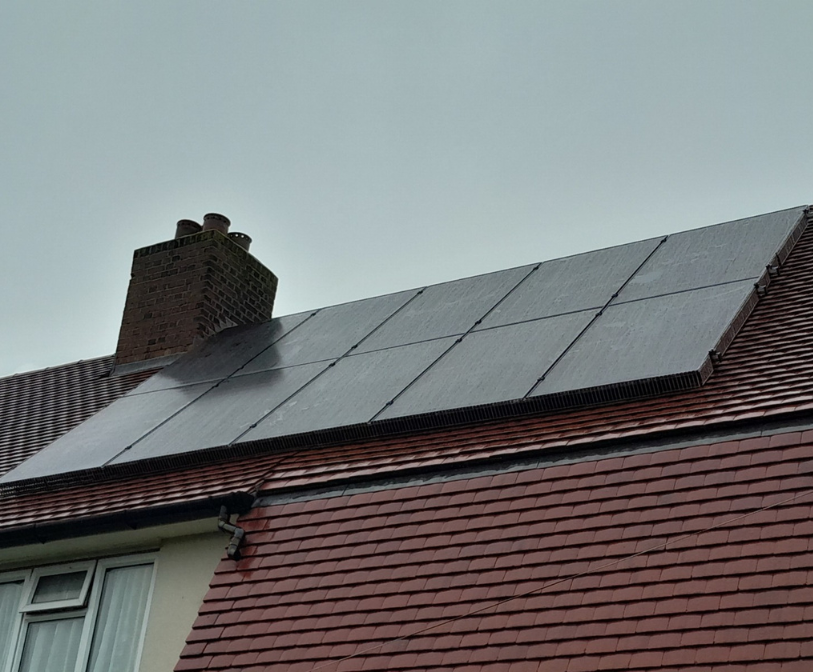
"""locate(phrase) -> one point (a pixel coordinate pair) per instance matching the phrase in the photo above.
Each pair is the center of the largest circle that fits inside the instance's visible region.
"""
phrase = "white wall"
(184, 569)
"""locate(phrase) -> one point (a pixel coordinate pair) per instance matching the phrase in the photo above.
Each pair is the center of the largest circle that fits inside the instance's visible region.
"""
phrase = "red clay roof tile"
(708, 590)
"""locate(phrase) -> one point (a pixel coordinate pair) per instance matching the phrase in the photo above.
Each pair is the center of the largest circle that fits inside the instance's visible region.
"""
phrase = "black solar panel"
(224, 413)
(711, 256)
(661, 336)
(223, 354)
(108, 433)
(352, 391)
(330, 333)
(449, 309)
(491, 366)
(571, 284)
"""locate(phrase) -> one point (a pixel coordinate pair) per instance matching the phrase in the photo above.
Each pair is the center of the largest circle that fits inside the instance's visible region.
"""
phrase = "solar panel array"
(606, 321)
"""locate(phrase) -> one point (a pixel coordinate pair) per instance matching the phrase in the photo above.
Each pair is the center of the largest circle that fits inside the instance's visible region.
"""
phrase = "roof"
(690, 559)
(671, 531)
(767, 374)
(38, 407)
(624, 322)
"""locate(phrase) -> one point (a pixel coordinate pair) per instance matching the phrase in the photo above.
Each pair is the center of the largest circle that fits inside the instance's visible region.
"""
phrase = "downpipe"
(237, 533)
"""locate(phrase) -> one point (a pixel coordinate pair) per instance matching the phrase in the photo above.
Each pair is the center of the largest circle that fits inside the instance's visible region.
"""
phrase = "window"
(83, 617)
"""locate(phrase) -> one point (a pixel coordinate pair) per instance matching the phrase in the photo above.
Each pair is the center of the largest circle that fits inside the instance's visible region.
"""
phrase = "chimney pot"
(242, 239)
(215, 222)
(186, 227)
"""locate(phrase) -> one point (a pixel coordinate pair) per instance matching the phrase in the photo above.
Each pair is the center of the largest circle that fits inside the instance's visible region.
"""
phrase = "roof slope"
(38, 407)
(767, 373)
(687, 559)
(628, 321)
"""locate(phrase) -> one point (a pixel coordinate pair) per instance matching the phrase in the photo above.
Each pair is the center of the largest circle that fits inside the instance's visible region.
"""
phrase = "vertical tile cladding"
(663, 561)
(187, 289)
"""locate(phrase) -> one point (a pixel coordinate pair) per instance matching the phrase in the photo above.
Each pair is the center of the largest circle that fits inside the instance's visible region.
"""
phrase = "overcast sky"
(369, 147)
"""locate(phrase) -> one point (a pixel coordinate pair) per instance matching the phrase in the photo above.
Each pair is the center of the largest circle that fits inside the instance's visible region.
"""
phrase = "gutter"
(133, 519)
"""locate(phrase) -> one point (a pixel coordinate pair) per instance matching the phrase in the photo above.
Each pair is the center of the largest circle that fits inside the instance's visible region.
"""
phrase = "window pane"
(10, 594)
(57, 587)
(120, 619)
(52, 646)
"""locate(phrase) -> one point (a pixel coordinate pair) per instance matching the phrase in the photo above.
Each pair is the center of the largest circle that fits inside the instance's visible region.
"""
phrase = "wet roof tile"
(675, 572)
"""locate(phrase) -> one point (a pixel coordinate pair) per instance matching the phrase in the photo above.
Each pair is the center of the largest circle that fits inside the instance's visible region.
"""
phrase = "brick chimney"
(187, 289)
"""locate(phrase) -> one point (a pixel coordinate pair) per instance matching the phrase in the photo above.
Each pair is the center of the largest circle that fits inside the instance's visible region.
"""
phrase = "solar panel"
(571, 284)
(352, 391)
(661, 336)
(222, 354)
(108, 433)
(491, 366)
(330, 333)
(714, 255)
(448, 309)
(224, 413)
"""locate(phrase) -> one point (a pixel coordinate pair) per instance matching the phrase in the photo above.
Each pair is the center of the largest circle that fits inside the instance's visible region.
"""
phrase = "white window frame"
(14, 577)
(96, 570)
(40, 617)
(29, 605)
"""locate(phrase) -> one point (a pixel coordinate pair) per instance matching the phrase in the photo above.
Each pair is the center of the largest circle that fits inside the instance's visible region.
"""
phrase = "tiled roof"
(625, 322)
(38, 407)
(688, 559)
(133, 496)
(767, 373)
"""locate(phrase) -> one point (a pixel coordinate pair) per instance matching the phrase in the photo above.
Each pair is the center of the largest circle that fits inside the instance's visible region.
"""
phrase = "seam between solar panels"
(595, 317)
(330, 365)
(271, 344)
(753, 278)
(536, 319)
(455, 342)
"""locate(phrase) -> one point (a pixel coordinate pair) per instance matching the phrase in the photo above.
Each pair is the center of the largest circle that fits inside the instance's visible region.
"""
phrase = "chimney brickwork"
(187, 289)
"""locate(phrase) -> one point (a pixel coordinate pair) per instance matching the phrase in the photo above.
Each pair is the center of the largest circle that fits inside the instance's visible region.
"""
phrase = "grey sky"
(369, 147)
